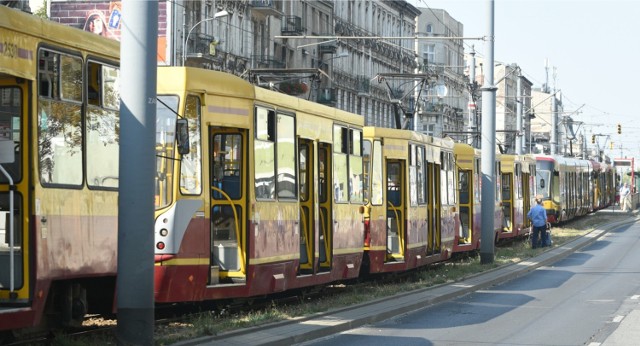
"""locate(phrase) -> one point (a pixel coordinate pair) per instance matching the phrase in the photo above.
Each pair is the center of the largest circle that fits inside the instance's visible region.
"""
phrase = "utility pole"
(472, 139)
(554, 122)
(134, 284)
(519, 103)
(488, 154)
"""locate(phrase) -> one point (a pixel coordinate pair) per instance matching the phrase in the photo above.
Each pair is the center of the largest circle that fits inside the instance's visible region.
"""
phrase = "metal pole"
(519, 102)
(416, 85)
(554, 120)
(138, 51)
(488, 147)
(473, 141)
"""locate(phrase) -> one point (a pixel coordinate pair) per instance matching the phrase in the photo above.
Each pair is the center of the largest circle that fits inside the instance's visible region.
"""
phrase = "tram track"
(177, 318)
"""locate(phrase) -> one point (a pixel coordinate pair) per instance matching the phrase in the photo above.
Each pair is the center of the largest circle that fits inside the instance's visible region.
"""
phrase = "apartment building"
(443, 101)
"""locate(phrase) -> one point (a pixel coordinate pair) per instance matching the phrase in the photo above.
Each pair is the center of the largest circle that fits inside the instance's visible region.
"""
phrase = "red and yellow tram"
(517, 191)
(59, 111)
(268, 198)
(409, 218)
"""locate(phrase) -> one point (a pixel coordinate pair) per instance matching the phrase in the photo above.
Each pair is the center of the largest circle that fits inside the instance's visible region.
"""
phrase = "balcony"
(266, 61)
(432, 108)
(264, 8)
(363, 85)
(203, 48)
(327, 96)
(328, 47)
(292, 26)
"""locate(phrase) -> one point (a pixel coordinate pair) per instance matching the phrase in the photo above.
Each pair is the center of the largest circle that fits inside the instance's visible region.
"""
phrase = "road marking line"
(618, 318)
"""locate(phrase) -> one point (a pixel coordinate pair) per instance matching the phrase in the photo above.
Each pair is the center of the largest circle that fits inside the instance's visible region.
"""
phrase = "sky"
(590, 44)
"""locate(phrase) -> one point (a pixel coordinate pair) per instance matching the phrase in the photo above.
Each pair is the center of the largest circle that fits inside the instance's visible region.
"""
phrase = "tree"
(41, 11)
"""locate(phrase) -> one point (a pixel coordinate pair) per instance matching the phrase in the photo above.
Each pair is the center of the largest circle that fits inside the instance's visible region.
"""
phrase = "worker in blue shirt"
(538, 217)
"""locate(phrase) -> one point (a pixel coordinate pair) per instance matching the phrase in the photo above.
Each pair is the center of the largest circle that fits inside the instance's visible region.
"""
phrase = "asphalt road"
(578, 300)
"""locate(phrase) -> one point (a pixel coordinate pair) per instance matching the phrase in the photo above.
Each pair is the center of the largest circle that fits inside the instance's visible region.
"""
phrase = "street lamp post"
(186, 40)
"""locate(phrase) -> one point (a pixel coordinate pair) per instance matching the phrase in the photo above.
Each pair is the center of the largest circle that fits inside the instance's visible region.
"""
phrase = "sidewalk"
(336, 321)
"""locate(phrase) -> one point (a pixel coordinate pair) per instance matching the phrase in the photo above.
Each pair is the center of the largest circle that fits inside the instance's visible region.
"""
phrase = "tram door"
(228, 205)
(325, 198)
(433, 198)
(507, 202)
(14, 238)
(527, 195)
(307, 206)
(396, 189)
(465, 201)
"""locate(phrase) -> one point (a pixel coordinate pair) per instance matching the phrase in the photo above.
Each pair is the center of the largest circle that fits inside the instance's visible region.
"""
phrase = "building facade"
(443, 101)
(360, 56)
(545, 128)
(508, 97)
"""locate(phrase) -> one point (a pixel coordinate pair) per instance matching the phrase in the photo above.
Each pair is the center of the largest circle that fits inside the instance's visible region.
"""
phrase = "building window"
(429, 29)
(430, 53)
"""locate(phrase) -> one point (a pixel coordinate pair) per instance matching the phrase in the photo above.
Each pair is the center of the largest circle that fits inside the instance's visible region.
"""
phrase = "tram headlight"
(164, 232)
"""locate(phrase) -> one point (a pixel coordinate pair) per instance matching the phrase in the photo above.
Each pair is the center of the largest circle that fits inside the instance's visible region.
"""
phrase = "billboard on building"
(105, 18)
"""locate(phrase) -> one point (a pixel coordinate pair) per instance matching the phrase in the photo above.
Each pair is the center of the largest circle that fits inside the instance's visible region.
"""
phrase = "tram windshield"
(543, 182)
(166, 115)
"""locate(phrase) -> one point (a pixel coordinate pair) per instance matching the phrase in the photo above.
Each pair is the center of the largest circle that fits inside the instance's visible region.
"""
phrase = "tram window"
(265, 124)
(355, 142)
(376, 174)
(227, 165)
(10, 134)
(48, 74)
(421, 181)
(264, 156)
(413, 176)
(102, 129)
(94, 85)
(340, 140)
(355, 179)
(166, 109)
(355, 166)
(518, 181)
(498, 190)
(323, 175)
(340, 168)
(60, 137)
(463, 180)
(286, 151)
(304, 174)
(453, 196)
(506, 186)
(394, 192)
(71, 78)
(443, 180)
(190, 164)
(103, 83)
(366, 169)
